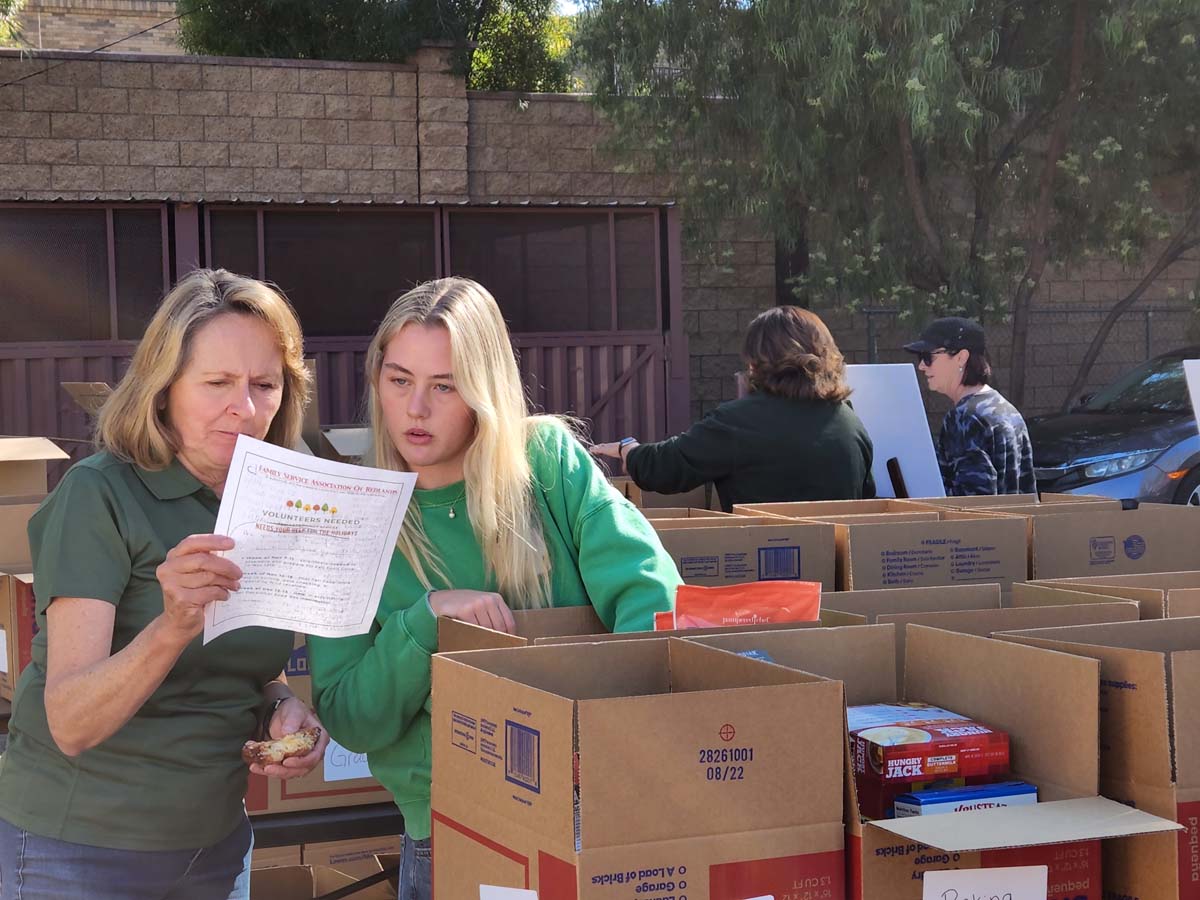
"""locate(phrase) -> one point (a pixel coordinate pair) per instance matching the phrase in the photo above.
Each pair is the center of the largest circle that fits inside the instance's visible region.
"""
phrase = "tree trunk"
(1175, 249)
(1039, 232)
(916, 199)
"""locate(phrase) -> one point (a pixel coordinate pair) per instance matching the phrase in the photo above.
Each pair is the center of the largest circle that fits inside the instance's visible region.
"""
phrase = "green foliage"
(792, 112)
(522, 46)
(354, 30)
(9, 10)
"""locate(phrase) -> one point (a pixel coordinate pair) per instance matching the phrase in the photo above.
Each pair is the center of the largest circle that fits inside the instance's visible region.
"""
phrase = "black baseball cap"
(952, 333)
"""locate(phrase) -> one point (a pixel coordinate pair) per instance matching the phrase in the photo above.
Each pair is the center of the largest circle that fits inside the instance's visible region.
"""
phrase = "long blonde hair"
(131, 424)
(499, 481)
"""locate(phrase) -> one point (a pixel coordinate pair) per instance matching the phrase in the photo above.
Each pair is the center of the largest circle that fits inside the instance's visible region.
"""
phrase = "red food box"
(896, 745)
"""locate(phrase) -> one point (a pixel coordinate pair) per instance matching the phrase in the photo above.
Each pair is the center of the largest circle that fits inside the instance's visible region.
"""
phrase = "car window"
(1156, 386)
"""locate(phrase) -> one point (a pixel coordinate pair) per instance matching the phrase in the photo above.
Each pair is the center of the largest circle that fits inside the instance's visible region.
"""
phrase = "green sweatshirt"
(372, 691)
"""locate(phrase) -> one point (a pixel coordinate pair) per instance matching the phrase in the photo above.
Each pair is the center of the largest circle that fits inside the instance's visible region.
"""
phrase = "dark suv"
(1136, 438)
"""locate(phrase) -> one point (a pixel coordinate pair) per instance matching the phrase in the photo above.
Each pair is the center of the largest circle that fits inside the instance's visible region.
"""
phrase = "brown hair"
(131, 423)
(978, 369)
(789, 352)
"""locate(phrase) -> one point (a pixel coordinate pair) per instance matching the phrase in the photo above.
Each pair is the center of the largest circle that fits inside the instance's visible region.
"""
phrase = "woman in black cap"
(984, 445)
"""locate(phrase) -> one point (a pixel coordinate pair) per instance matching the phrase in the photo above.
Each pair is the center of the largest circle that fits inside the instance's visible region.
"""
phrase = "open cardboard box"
(593, 769)
(18, 625)
(939, 598)
(736, 549)
(683, 512)
(1149, 744)
(703, 497)
(1069, 540)
(898, 543)
(358, 857)
(301, 882)
(1047, 702)
(23, 462)
(88, 395)
(1160, 595)
(581, 625)
(992, 501)
(313, 791)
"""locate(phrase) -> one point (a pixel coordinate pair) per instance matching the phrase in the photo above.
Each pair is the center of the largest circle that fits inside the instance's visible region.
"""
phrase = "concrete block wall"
(88, 24)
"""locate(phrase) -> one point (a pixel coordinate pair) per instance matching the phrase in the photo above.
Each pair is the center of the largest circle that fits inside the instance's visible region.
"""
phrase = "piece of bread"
(266, 753)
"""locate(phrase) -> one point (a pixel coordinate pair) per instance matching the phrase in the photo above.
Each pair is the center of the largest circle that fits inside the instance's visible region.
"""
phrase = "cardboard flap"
(89, 395)
(879, 518)
(1135, 728)
(1150, 603)
(454, 636)
(696, 667)
(29, 449)
(1163, 581)
(977, 500)
(1185, 696)
(834, 619)
(614, 669)
(942, 598)
(1058, 822)
(351, 442)
(862, 657)
(1151, 538)
(562, 620)
(998, 683)
(719, 760)
(1163, 635)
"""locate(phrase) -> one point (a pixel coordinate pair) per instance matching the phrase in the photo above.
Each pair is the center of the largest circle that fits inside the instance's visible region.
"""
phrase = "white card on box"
(1011, 883)
(342, 764)
(491, 892)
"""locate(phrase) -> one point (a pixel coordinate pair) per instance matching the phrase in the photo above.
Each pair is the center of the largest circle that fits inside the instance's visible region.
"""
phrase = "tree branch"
(916, 198)
(1039, 231)
(1174, 249)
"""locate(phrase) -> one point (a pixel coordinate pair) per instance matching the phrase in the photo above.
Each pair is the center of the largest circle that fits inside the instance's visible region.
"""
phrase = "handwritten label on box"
(342, 765)
(1013, 883)
(491, 892)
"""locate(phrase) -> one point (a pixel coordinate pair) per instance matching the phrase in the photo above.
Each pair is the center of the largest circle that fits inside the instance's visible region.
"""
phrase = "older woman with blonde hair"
(510, 512)
(123, 776)
(790, 436)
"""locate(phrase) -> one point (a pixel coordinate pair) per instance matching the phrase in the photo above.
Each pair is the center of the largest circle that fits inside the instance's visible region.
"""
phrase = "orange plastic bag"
(753, 603)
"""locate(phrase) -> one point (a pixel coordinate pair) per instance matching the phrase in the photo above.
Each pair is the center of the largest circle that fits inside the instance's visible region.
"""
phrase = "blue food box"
(962, 799)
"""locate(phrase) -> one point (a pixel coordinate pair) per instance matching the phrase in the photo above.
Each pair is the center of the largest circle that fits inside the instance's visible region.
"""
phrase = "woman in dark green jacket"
(791, 436)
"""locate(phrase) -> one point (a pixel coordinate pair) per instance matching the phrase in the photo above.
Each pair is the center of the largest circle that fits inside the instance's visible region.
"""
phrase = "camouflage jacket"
(984, 447)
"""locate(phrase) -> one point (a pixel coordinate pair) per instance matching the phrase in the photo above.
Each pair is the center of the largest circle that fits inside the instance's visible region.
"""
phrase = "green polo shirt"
(172, 777)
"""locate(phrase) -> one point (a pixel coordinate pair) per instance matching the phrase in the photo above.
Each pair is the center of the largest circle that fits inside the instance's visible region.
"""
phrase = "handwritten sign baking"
(1012, 883)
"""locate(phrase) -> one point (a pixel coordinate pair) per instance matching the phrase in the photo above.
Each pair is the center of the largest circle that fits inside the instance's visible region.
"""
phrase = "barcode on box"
(523, 756)
(778, 563)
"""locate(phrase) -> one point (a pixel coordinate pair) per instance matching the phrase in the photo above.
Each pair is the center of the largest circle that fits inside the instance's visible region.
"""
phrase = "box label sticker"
(1102, 550)
(699, 567)
(464, 731)
(343, 765)
(1135, 546)
(1016, 883)
(3, 651)
(778, 563)
(523, 756)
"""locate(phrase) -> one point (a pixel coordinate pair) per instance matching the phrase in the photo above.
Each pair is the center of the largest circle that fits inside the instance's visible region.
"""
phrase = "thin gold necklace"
(450, 504)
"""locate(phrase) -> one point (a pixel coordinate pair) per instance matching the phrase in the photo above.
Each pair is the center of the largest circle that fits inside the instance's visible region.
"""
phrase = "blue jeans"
(416, 870)
(40, 868)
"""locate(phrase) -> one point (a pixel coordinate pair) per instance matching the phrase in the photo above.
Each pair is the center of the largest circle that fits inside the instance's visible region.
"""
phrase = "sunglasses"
(926, 357)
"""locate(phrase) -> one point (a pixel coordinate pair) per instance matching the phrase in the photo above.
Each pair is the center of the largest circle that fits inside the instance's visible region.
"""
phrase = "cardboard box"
(356, 857)
(1158, 595)
(297, 882)
(15, 513)
(313, 791)
(683, 512)
(939, 598)
(348, 444)
(23, 466)
(581, 625)
(983, 622)
(897, 543)
(89, 395)
(994, 501)
(685, 768)
(18, 625)
(1079, 539)
(734, 550)
(703, 497)
(1149, 744)
(981, 678)
(271, 857)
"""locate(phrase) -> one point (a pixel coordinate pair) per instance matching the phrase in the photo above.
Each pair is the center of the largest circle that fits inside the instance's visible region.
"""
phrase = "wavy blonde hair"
(132, 425)
(499, 481)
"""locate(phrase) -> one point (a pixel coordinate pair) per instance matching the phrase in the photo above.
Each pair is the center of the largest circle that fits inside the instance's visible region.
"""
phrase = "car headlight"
(1120, 465)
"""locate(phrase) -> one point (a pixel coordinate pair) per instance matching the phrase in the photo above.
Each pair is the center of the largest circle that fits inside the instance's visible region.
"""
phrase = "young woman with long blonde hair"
(510, 512)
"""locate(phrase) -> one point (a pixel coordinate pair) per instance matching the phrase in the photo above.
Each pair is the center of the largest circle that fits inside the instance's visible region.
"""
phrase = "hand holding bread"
(295, 746)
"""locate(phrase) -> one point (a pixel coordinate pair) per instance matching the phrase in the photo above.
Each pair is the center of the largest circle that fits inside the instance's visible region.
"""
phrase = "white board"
(888, 400)
(1191, 371)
